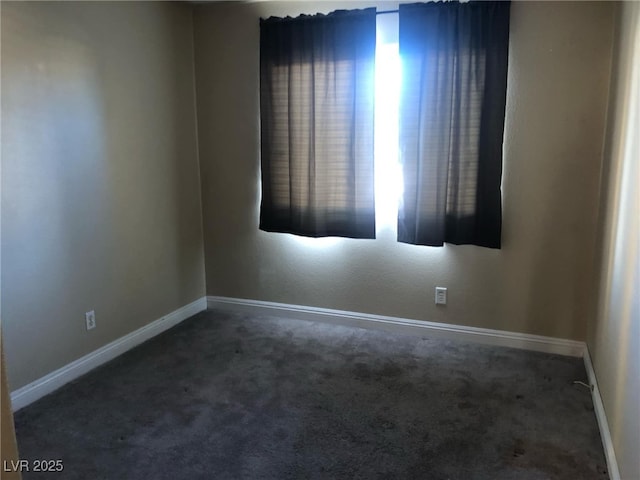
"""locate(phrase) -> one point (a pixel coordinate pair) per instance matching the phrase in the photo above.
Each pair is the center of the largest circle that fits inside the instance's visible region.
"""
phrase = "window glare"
(388, 173)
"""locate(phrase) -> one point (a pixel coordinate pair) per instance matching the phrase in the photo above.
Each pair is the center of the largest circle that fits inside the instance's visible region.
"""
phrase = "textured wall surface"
(538, 283)
(100, 182)
(614, 338)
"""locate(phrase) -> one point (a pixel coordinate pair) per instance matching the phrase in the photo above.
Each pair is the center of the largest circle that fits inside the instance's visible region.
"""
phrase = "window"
(317, 124)
(454, 63)
(440, 94)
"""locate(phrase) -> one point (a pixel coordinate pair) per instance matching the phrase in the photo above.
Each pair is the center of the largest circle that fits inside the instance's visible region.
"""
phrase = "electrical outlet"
(441, 295)
(90, 319)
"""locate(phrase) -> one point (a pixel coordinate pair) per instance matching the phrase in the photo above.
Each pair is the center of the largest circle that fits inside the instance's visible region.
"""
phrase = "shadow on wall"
(613, 342)
(101, 200)
(58, 154)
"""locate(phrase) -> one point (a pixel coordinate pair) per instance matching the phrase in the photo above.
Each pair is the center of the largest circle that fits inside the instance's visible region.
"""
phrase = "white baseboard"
(33, 391)
(601, 416)
(402, 325)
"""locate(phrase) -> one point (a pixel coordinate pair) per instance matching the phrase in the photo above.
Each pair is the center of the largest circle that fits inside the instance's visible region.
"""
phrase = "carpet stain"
(551, 459)
(362, 371)
(518, 449)
(390, 369)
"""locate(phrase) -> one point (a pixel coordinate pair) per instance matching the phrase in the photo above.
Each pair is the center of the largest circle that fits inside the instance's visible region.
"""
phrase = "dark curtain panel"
(454, 80)
(316, 101)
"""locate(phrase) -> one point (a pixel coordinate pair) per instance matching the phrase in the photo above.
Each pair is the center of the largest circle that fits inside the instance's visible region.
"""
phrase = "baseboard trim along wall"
(28, 394)
(601, 416)
(453, 332)
(35, 390)
(402, 325)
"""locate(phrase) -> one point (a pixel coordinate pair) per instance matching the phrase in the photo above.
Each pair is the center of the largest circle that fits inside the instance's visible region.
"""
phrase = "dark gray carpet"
(227, 396)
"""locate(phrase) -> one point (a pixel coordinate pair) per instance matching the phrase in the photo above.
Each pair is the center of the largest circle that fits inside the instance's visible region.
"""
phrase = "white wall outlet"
(90, 319)
(441, 295)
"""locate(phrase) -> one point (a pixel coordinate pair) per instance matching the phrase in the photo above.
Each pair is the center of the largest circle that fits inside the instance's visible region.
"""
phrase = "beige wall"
(614, 338)
(538, 283)
(100, 180)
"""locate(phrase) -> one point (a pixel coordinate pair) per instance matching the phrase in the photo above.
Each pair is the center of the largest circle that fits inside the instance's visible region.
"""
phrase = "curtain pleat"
(317, 122)
(454, 71)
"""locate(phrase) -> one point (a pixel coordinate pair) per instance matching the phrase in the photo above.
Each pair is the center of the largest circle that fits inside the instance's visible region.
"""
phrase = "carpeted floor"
(228, 396)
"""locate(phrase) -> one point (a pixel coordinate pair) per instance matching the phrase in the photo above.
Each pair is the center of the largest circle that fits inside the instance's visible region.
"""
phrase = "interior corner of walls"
(138, 211)
(52, 381)
(601, 417)
(199, 156)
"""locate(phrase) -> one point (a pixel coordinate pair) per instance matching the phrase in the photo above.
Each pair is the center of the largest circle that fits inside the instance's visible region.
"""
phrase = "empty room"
(320, 239)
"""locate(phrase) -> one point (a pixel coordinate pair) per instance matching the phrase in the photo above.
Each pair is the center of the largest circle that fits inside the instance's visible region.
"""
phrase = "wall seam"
(192, 9)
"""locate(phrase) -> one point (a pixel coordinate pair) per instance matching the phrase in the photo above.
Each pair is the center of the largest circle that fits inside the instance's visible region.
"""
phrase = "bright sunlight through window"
(388, 172)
